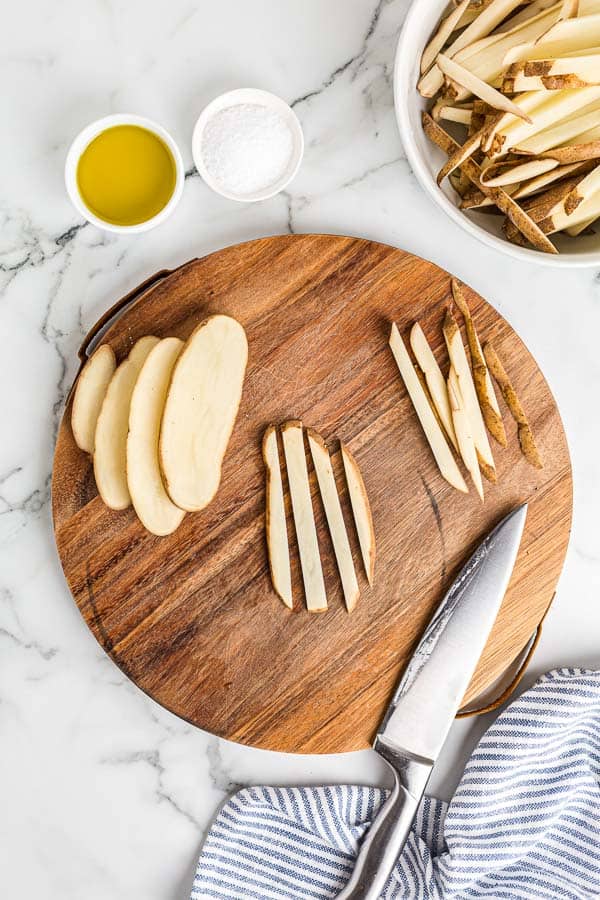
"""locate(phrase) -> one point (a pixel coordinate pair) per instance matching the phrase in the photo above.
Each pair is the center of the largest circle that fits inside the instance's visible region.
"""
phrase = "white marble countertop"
(103, 794)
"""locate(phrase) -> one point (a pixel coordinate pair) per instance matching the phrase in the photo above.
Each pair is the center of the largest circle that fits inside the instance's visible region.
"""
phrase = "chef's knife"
(428, 697)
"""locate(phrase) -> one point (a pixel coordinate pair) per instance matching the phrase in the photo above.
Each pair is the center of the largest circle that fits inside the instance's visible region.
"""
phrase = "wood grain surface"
(193, 619)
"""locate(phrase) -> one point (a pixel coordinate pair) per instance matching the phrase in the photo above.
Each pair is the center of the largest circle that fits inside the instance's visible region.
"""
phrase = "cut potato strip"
(586, 187)
(462, 426)
(502, 200)
(557, 219)
(335, 517)
(480, 88)
(275, 520)
(528, 446)
(201, 409)
(455, 114)
(574, 153)
(538, 184)
(110, 438)
(502, 174)
(447, 26)
(569, 10)
(361, 511)
(306, 532)
(433, 431)
(558, 105)
(154, 508)
(558, 134)
(483, 382)
(436, 383)
(458, 358)
(91, 387)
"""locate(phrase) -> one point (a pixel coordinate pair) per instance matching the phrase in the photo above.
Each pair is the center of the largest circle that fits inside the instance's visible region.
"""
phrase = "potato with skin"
(110, 438)
(91, 387)
(361, 510)
(154, 508)
(200, 411)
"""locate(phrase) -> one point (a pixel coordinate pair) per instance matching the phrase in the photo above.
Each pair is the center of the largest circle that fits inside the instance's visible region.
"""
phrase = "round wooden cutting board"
(193, 619)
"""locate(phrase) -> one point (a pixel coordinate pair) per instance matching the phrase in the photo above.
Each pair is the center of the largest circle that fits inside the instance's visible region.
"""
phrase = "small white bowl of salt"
(247, 145)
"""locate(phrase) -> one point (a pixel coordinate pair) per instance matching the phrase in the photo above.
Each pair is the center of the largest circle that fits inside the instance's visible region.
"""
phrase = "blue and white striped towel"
(524, 822)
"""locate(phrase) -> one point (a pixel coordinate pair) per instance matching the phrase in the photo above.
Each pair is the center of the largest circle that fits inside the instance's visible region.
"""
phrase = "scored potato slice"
(91, 387)
(276, 526)
(200, 410)
(335, 517)
(361, 510)
(155, 510)
(306, 532)
(110, 438)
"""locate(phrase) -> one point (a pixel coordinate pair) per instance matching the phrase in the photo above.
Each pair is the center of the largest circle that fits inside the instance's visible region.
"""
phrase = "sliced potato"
(335, 518)
(361, 510)
(154, 508)
(306, 532)
(436, 383)
(526, 441)
(433, 430)
(483, 383)
(462, 425)
(110, 438)
(275, 521)
(89, 393)
(200, 410)
(458, 358)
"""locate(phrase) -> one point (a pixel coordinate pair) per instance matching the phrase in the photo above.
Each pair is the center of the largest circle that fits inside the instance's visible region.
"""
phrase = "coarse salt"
(246, 148)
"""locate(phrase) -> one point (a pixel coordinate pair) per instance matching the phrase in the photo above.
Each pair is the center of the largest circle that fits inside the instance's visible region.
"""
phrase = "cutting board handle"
(94, 335)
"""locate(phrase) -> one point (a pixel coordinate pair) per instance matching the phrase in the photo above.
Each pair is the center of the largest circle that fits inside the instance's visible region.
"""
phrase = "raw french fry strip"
(447, 26)
(306, 532)
(480, 88)
(433, 431)
(556, 175)
(462, 426)
(574, 153)
(276, 527)
(361, 511)
(335, 518)
(458, 359)
(575, 230)
(483, 383)
(502, 174)
(528, 447)
(435, 381)
(558, 134)
(455, 114)
(501, 199)
(586, 187)
(558, 219)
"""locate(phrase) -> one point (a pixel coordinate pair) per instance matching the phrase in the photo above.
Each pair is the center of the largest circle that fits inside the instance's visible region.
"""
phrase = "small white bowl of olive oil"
(124, 173)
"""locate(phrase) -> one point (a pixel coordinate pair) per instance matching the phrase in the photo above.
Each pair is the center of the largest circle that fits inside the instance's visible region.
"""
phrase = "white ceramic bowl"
(260, 98)
(81, 142)
(426, 160)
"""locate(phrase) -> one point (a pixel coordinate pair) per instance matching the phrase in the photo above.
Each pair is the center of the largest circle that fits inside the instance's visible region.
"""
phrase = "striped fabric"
(524, 823)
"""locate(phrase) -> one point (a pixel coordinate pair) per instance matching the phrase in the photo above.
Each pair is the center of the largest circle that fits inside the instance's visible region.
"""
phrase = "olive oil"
(126, 175)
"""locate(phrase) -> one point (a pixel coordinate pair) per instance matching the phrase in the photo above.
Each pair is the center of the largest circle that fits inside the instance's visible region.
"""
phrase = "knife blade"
(429, 695)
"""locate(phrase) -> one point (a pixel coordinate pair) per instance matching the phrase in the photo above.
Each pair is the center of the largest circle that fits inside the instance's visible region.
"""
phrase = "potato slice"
(89, 393)
(154, 508)
(275, 521)
(433, 430)
(361, 511)
(483, 383)
(335, 518)
(462, 425)
(306, 532)
(526, 441)
(458, 358)
(434, 379)
(110, 438)
(200, 411)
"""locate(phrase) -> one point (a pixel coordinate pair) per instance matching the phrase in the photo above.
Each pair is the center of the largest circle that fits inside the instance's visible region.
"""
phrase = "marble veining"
(103, 793)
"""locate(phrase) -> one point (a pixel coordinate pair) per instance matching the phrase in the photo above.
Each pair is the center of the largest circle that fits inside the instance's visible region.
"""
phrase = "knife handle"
(386, 837)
